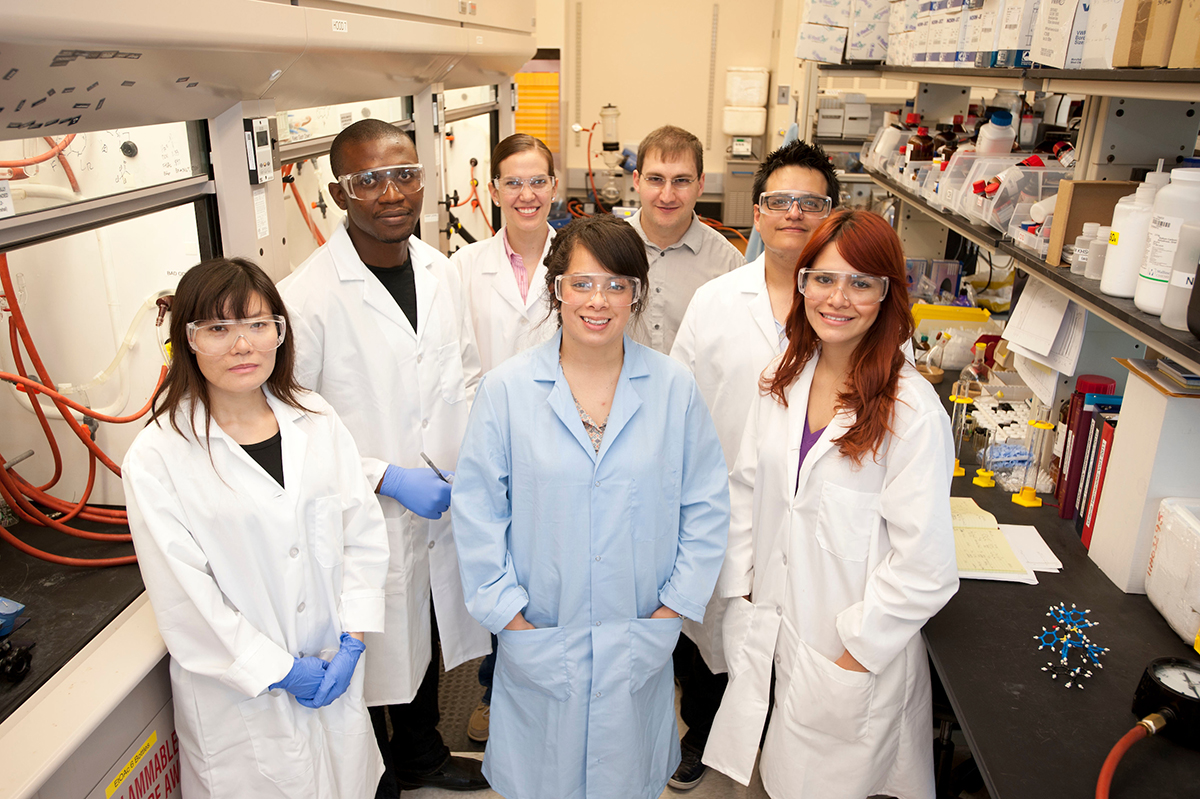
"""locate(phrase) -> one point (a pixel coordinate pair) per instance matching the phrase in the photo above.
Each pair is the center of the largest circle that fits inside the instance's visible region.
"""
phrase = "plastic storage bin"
(746, 86)
(954, 178)
(1173, 575)
(1026, 185)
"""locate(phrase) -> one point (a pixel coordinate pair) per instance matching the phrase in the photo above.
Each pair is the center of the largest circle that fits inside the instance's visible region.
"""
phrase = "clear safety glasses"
(660, 182)
(216, 337)
(780, 202)
(513, 186)
(372, 183)
(578, 289)
(858, 289)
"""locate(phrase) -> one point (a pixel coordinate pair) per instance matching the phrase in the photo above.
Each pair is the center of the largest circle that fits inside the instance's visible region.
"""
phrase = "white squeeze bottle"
(1183, 277)
(1175, 204)
(1127, 242)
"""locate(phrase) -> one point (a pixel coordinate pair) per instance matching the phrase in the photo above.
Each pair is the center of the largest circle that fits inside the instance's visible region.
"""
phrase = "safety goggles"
(660, 182)
(617, 290)
(513, 186)
(216, 337)
(780, 202)
(858, 289)
(371, 184)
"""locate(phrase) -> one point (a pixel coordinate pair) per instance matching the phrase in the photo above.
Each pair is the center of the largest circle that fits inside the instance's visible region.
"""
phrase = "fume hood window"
(473, 95)
(329, 120)
(51, 171)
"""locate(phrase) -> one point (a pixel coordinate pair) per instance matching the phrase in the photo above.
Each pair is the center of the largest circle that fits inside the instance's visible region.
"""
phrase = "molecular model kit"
(1067, 636)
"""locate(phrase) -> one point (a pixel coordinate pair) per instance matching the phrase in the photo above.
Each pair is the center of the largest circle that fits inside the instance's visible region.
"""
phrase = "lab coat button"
(522, 321)
(294, 552)
(597, 558)
(785, 559)
(424, 423)
(658, 327)
(301, 654)
(300, 608)
(597, 624)
(658, 289)
(419, 357)
(778, 610)
(431, 543)
(597, 696)
(778, 659)
(597, 484)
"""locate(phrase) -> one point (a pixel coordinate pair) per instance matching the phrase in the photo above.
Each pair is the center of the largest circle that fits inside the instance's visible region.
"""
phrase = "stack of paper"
(985, 552)
(1045, 328)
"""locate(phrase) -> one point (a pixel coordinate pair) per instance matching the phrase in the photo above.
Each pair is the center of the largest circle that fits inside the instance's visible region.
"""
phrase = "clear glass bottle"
(975, 374)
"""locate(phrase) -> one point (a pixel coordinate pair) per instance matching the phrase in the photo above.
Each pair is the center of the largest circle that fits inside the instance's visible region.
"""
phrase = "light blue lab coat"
(587, 545)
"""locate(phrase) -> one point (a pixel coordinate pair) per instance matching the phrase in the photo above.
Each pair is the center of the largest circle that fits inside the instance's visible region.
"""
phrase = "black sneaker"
(690, 770)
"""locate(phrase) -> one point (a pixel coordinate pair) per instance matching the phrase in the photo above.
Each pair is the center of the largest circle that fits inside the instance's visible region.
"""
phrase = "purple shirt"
(806, 443)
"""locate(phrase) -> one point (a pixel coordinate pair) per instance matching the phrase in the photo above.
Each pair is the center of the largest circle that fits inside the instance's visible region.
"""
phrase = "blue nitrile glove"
(337, 676)
(419, 490)
(304, 679)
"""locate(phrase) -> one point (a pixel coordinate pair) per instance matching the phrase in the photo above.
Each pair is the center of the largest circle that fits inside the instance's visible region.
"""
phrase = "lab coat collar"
(294, 440)
(626, 398)
(350, 267)
(752, 280)
(797, 411)
(506, 284)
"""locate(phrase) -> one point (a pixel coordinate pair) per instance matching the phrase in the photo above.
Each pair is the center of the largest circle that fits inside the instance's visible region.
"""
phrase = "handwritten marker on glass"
(436, 470)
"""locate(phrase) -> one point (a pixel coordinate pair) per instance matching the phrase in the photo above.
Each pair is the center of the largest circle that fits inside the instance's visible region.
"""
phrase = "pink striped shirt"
(518, 267)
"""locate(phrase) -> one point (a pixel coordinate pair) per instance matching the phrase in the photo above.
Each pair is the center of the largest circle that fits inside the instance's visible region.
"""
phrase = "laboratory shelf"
(982, 235)
(1148, 84)
(1180, 345)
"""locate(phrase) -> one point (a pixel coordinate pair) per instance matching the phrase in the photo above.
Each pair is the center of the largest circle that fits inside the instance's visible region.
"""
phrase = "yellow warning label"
(131, 765)
(1113, 237)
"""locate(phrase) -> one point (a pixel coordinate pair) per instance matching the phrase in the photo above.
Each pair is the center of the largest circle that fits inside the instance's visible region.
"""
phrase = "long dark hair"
(220, 288)
(870, 245)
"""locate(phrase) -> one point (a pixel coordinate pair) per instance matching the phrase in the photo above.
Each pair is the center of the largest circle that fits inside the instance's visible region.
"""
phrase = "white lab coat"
(400, 392)
(245, 575)
(504, 323)
(859, 559)
(727, 338)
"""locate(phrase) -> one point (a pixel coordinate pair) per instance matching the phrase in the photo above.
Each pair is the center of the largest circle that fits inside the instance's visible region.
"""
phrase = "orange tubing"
(1104, 782)
(62, 159)
(308, 220)
(61, 560)
(46, 156)
(19, 365)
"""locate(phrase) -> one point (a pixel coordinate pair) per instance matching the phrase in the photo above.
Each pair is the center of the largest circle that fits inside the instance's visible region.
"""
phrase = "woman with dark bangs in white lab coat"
(504, 277)
(840, 544)
(263, 550)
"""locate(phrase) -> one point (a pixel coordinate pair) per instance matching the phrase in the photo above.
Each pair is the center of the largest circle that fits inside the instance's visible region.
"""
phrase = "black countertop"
(66, 605)
(1031, 736)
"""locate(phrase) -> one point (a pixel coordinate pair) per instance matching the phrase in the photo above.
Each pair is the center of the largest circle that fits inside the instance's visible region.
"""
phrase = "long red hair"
(867, 242)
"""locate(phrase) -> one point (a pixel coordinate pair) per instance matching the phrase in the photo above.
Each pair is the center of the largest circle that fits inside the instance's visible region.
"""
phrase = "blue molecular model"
(1066, 636)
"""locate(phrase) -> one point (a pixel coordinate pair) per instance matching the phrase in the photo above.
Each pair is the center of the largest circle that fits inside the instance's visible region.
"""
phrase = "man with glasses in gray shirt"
(684, 252)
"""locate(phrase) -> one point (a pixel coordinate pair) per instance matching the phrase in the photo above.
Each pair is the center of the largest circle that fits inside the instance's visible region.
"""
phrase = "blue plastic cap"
(1001, 118)
(9, 610)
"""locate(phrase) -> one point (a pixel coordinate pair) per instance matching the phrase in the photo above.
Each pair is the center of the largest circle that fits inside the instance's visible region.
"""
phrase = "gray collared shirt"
(675, 274)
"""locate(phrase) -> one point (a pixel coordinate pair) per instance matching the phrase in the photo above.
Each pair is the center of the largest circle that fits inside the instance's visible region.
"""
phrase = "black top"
(269, 455)
(402, 285)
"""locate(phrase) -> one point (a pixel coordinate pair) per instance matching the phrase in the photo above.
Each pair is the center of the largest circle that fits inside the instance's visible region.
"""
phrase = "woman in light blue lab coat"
(591, 508)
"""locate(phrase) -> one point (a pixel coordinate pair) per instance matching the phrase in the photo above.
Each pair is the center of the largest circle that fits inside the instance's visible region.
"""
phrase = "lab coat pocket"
(325, 527)
(735, 634)
(535, 660)
(450, 370)
(280, 746)
(825, 697)
(651, 642)
(846, 521)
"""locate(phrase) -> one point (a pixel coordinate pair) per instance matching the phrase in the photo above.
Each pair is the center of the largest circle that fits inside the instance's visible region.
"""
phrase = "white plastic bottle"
(1079, 253)
(997, 136)
(1097, 253)
(1127, 242)
(1175, 204)
(1183, 278)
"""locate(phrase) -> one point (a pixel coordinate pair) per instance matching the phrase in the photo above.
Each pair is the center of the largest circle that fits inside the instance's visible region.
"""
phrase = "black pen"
(436, 470)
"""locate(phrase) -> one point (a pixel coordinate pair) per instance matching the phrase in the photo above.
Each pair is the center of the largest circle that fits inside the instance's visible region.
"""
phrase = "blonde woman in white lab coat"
(840, 546)
(263, 551)
(503, 277)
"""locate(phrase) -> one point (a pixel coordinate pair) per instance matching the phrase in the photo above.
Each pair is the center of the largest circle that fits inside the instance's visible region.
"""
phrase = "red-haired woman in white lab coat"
(840, 545)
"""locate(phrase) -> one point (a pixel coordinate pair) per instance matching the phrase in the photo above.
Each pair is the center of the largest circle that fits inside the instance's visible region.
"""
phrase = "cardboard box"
(924, 9)
(820, 43)
(1185, 52)
(1082, 201)
(944, 28)
(920, 42)
(1061, 30)
(1146, 33)
(869, 11)
(897, 13)
(834, 13)
(989, 33)
(914, 11)
(968, 36)
(1104, 17)
(1016, 33)
(867, 41)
